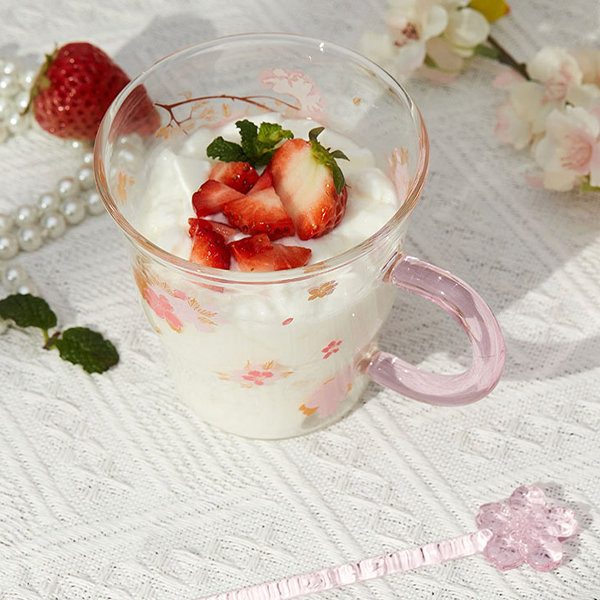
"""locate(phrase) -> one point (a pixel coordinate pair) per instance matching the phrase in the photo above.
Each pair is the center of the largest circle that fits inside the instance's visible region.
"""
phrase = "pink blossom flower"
(526, 529)
(163, 309)
(570, 149)
(257, 377)
(256, 374)
(298, 85)
(327, 398)
(331, 348)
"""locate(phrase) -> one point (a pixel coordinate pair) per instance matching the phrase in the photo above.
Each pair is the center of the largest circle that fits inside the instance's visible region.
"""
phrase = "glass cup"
(278, 354)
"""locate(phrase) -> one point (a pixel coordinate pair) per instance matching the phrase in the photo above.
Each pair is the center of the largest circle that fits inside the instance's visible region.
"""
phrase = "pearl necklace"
(29, 226)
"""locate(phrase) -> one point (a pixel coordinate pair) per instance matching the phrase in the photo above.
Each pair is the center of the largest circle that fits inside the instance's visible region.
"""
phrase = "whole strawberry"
(74, 89)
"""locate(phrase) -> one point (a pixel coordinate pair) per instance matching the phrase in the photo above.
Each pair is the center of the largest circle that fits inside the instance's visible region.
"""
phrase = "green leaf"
(327, 157)
(87, 348)
(249, 133)
(586, 186)
(260, 143)
(226, 151)
(486, 51)
(339, 154)
(429, 62)
(313, 134)
(28, 311)
(338, 177)
(270, 134)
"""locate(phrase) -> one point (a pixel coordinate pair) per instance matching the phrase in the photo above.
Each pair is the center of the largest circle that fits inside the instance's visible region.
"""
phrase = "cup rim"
(239, 277)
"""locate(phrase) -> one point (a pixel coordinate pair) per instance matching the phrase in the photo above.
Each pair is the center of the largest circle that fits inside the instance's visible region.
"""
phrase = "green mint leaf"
(226, 151)
(486, 51)
(249, 133)
(270, 134)
(87, 348)
(260, 143)
(27, 311)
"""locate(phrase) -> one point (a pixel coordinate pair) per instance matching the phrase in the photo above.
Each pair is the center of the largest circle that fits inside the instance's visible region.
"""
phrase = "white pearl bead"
(88, 159)
(26, 214)
(9, 246)
(17, 124)
(3, 326)
(73, 211)
(8, 85)
(93, 202)
(85, 178)
(22, 101)
(6, 107)
(30, 238)
(27, 288)
(26, 78)
(9, 67)
(48, 202)
(6, 223)
(66, 188)
(13, 277)
(53, 224)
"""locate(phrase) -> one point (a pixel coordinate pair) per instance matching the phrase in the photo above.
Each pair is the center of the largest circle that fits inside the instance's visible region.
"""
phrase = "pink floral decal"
(163, 309)
(398, 163)
(526, 529)
(323, 290)
(327, 398)
(287, 321)
(256, 374)
(298, 85)
(331, 348)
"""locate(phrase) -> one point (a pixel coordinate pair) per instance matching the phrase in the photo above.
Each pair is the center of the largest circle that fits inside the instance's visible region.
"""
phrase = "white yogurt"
(272, 360)
(174, 177)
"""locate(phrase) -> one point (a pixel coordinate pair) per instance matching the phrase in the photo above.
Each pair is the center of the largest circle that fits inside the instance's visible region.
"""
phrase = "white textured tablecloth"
(111, 489)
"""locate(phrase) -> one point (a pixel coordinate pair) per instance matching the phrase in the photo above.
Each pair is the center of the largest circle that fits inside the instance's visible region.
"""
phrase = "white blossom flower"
(416, 29)
(570, 149)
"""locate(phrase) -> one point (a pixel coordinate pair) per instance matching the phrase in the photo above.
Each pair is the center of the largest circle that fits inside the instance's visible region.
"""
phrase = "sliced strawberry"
(260, 212)
(210, 249)
(303, 179)
(264, 181)
(259, 254)
(211, 196)
(225, 230)
(241, 176)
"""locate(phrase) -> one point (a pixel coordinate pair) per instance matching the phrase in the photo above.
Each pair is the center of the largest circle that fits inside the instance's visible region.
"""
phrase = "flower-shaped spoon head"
(527, 529)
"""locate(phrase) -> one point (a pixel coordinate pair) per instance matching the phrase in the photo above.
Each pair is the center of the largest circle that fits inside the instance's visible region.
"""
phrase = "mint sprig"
(257, 146)
(327, 157)
(78, 345)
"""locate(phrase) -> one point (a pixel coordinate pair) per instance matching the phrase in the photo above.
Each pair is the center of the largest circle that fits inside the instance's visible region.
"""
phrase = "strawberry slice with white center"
(226, 231)
(259, 254)
(211, 196)
(310, 185)
(260, 212)
(240, 176)
(209, 247)
(264, 181)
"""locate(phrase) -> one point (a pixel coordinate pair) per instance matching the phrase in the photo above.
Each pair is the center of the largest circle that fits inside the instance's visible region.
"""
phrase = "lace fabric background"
(110, 489)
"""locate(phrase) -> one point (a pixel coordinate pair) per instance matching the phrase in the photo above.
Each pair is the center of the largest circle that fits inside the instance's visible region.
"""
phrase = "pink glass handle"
(476, 318)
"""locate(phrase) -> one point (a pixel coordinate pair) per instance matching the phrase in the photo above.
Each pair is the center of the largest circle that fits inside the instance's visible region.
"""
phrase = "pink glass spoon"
(523, 529)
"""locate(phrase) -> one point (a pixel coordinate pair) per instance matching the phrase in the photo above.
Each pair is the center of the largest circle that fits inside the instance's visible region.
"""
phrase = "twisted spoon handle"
(363, 570)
